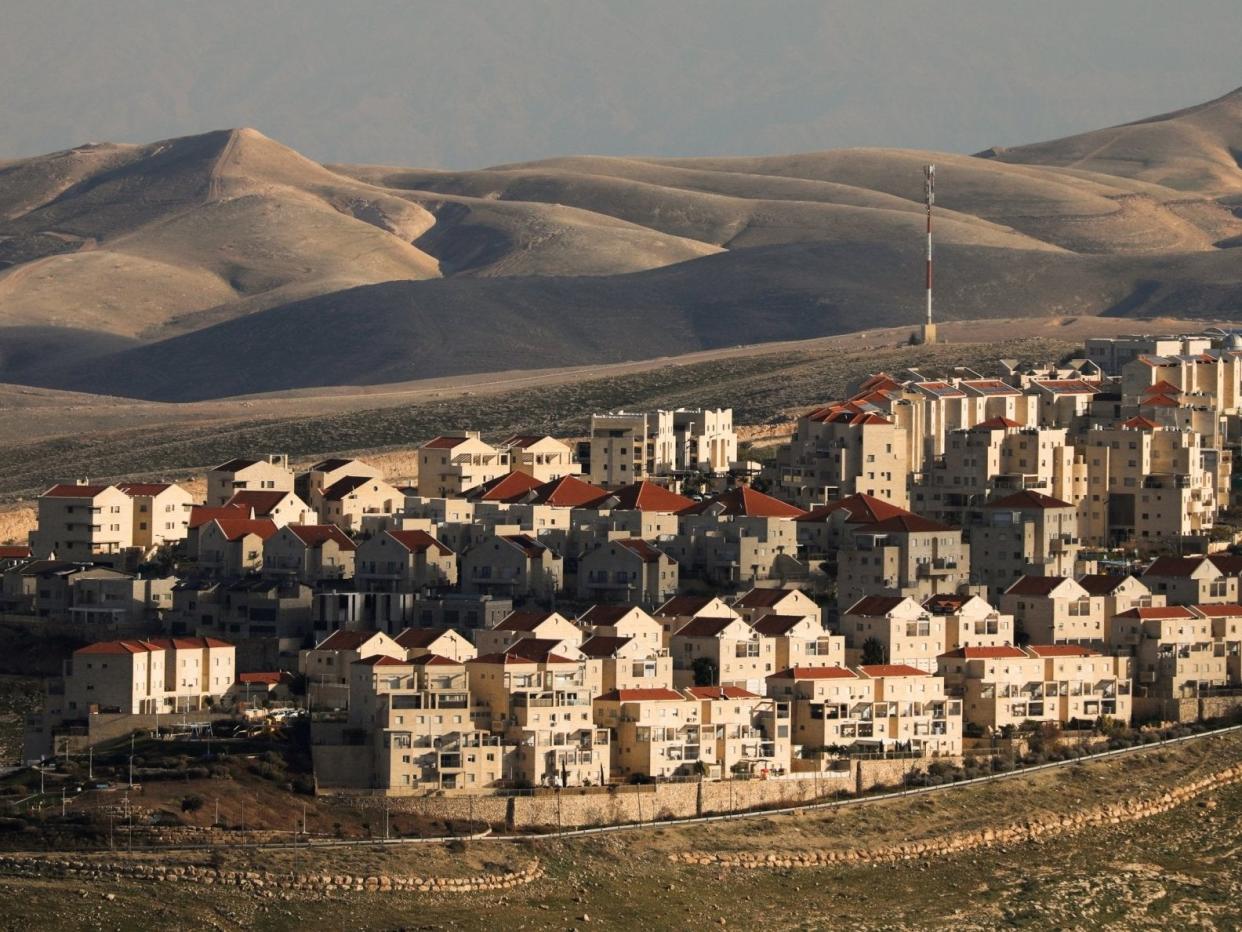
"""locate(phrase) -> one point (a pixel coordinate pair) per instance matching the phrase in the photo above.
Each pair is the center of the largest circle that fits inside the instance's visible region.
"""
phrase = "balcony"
(939, 567)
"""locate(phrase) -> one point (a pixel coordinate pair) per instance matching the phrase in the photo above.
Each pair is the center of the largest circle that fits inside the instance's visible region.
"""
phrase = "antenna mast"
(929, 193)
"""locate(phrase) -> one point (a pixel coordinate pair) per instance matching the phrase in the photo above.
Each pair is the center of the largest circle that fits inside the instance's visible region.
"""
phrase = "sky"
(469, 83)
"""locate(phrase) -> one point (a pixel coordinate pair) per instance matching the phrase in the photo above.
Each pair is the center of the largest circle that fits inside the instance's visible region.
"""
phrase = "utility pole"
(929, 193)
(62, 800)
(90, 767)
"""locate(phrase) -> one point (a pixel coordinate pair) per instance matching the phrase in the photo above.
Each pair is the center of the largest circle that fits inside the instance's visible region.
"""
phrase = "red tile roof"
(1140, 423)
(420, 637)
(511, 487)
(133, 489)
(188, 643)
(996, 423)
(1062, 650)
(859, 509)
(606, 614)
(205, 514)
(14, 551)
(1102, 583)
(1157, 611)
(436, 660)
(346, 486)
(1159, 401)
(444, 443)
(1183, 567)
(905, 524)
(874, 670)
(773, 626)
(874, 606)
(653, 694)
(527, 650)
(237, 528)
(268, 678)
(742, 500)
(567, 492)
(684, 605)
(705, 627)
(644, 496)
(118, 647)
(645, 551)
(1219, 611)
(259, 501)
(1035, 585)
(721, 692)
(419, 542)
(600, 646)
(523, 621)
(530, 546)
(764, 597)
(815, 673)
(381, 660)
(1028, 499)
(985, 653)
(72, 490)
(344, 639)
(316, 535)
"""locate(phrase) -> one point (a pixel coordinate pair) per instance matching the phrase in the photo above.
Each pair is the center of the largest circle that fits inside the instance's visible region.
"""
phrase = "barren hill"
(227, 263)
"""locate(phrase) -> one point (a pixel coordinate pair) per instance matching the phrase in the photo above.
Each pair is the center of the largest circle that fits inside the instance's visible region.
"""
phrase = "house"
(404, 561)
(896, 629)
(326, 665)
(1177, 650)
(348, 500)
(449, 465)
(201, 516)
(756, 603)
(543, 457)
(626, 663)
(721, 651)
(1025, 533)
(905, 556)
(440, 642)
(1119, 593)
(627, 570)
(161, 512)
(81, 522)
(310, 484)
(1191, 580)
(1054, 610)
(623, 621)
(680, 610)
(655, 732)
(751, 732)
(232, 547)
(271, 474)
(627, 447)
(110, 601)
(801, 641)
(309, 553)
(550, 626)
(135, 677)
(971, 621)
(281, 507)
(830, 707)
(513, 565)
(912, 710)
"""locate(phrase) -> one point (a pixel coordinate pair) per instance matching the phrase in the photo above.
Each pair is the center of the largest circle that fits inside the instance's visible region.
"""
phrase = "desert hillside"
(227, 263)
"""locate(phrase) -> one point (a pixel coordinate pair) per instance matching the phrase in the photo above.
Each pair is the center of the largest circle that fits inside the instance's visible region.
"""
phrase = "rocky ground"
(1178, 869)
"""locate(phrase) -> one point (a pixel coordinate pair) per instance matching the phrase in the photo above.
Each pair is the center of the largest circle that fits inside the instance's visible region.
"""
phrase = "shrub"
(192, 803)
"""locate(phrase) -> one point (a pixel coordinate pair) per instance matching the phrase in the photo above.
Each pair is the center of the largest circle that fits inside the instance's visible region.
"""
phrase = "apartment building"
(1178, 651)
(279, 506)
(971, 621)
(444, 643)
(1192, 580)
(350, 500)
(404, 561)
(680, 610)
(233, 547)
(1055, 610)
(80, 523)
(842, 450)
(626, 663)
(548, 626)
(627, 570)
(1013, 686)
(623, 621)
(271, 474)
(543, 457)
(751, 732)
(309, 553)
(704, 440)
(310, 484)
(722, 651)
(133, 677)
(449, 465)
(656, 732)
(627, 447)
(905, 556)
(161, 512)
(756, 603)
(326, 666)
(513, 565)
(800, 641)
(1025, 533)
(896, 628)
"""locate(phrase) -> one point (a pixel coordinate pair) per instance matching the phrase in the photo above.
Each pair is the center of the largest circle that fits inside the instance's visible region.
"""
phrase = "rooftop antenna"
(929, 194)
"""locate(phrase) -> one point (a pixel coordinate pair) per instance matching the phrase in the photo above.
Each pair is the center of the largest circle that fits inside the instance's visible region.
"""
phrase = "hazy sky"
(466, 83)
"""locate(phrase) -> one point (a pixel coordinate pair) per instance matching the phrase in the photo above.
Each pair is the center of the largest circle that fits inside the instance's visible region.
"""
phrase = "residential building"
(627, 447)
(1055, 610)
(543, 457)
(309, 553)
(451, 464)
(894, 630)
(161, 512)
(721, 651)
(271, 474)
(627, 570)
(514, 565)
(81, 522)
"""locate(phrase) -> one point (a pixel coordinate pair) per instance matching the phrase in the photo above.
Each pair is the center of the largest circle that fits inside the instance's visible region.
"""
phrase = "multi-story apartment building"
(1192, 580)
(704, 439)
(513, 565)
(545, 626)
(903, 630)
(627, 570)
(404, 561)
(80, 523)
(232, 547)
(656, 732)
(350, 500)
(147, 676)
(800, 641)
(309, 553)
(971, 621)
(626, 663)
(1055, 610)
(161, 512)
(1013, 686)
(542, 457)
(451, 464)
(627, 447)
(721, 651)
(623, 621)
(1176, 649)
(841, 450)
(280, 506)
(1023, 534)
(751, 732)
(242, 475)
(756, 603)
(905, 555)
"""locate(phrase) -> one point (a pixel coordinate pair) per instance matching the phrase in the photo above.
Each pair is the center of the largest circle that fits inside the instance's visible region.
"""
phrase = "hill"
(227, 263)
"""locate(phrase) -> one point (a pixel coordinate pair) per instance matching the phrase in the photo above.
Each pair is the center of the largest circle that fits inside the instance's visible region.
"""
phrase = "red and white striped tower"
(929, 192)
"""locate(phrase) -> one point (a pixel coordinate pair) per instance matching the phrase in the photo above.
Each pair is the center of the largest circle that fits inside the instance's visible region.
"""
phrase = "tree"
(192, 804)
(873, 651)
(705, 672)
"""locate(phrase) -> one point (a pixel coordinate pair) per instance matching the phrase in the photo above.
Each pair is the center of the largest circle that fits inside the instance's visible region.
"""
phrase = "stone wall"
(991, 836)
(261, 882)
(1185, 710)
